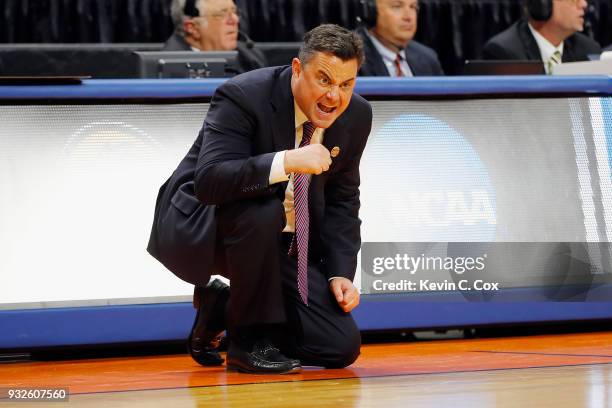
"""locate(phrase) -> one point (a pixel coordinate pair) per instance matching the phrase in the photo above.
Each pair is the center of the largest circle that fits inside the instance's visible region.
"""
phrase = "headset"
(366, 14)
(539, 10)
(190, 8)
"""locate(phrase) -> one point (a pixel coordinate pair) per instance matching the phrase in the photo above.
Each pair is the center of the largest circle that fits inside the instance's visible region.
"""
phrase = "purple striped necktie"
(301, 182)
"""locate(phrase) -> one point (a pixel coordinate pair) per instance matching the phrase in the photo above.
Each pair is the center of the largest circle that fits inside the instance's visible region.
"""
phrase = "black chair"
(279, 53)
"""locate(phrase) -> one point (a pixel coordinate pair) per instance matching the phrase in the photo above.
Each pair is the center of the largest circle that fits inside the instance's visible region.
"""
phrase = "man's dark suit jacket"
(248, 57)
(422, 60)
(517, 43)
(251, 117)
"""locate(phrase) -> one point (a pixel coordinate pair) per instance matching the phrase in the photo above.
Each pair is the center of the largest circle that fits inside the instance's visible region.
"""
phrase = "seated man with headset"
(550, 33)
(211, 25)
(388, 40)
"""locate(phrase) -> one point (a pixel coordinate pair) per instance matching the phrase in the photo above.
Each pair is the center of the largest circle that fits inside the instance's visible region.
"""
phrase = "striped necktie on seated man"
(554, 59)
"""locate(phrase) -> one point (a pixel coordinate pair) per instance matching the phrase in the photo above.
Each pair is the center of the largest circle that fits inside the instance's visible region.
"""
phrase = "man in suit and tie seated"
(550, 33)
(268, 196)
(211, 25)
(387, 32)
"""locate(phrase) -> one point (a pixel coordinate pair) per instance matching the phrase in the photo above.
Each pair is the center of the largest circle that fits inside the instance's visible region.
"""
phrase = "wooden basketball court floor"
(569, 370)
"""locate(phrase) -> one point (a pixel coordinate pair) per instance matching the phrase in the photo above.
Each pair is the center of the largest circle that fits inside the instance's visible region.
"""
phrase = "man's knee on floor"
(337, 351)
(346, 349)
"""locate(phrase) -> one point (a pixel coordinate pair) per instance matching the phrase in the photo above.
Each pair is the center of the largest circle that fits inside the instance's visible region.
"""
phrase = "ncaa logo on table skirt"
(423, 181)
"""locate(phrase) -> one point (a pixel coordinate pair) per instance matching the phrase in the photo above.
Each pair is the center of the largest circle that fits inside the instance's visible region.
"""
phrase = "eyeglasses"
(400, 6)
(224, 13)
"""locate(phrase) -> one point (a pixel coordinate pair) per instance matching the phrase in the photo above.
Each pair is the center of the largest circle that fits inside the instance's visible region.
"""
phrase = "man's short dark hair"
(332, 39)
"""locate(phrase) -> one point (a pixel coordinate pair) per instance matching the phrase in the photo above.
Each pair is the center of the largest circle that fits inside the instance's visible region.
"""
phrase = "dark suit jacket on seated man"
(392, 36)
(211, 25)
(546, 40)
(254, 200)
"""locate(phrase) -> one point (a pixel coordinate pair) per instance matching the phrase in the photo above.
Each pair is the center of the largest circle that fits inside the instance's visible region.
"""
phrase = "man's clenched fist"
(311, 159)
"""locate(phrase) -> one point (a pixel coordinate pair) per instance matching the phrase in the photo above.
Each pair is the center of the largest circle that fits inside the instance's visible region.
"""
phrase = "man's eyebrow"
(321, 72)
(346, 81)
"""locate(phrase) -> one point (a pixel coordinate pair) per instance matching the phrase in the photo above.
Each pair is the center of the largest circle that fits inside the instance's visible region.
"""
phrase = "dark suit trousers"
(264, 287)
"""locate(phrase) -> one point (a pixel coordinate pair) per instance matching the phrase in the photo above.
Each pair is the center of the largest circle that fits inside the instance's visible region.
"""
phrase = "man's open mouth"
(326, 109)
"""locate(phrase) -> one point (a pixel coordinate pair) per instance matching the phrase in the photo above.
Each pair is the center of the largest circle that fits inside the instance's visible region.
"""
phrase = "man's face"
(396, 20)
(568, 15)
(323, 87)
(216, 29)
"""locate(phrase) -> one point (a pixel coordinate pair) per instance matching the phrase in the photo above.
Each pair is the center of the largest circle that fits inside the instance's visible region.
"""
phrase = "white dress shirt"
(545, 46)
(388, 57)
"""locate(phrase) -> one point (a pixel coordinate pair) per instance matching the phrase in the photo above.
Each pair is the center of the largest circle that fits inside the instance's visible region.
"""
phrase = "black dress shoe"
(205, 337)
(263, 359)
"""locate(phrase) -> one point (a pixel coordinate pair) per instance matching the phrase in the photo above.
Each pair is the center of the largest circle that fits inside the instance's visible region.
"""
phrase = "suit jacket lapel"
(531, 46)
(374, 64)
(414, 63)
(334, 136)
(568, 50)
(283, 113)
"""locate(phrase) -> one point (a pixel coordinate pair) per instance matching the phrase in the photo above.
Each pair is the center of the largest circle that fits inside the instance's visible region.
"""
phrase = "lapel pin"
(335, 151)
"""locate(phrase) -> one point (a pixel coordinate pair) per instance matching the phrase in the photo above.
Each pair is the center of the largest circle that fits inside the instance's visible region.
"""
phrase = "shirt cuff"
(333, 277)
(277, 170)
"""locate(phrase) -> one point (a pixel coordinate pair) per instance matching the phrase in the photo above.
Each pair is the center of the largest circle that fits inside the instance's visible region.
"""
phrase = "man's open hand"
(345, 292)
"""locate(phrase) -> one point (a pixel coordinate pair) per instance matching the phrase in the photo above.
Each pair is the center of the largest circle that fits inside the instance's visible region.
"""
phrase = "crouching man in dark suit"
(268, 195)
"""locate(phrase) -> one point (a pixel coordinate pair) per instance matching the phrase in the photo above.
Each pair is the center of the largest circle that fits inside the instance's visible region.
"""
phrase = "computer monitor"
(187, 64)
(99, 61)
(502, 67)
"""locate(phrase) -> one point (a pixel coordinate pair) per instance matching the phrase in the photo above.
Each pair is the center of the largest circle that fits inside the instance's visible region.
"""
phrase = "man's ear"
(296, 67)
(190, 29)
